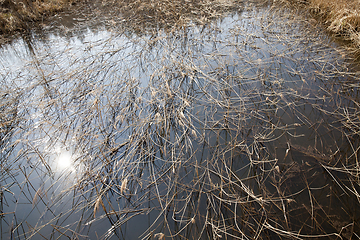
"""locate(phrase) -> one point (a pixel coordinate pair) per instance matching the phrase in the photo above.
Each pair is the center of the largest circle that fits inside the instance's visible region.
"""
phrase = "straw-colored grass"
(16, 14)
(170, 13)
(244, 127)
(341, 17)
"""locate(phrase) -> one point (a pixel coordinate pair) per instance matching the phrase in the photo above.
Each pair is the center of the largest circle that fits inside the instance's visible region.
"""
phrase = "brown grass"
(248, 134)
(17, 14)
(341, 17)
(170, 13)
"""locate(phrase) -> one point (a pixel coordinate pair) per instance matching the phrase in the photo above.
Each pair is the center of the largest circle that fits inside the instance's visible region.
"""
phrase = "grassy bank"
(341, 17)
(17, 14)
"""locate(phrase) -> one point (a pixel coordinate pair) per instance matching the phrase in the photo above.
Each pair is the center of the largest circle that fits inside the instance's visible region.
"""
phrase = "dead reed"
(342, 17)
(17, 15)
(171, 13)
(239, 127)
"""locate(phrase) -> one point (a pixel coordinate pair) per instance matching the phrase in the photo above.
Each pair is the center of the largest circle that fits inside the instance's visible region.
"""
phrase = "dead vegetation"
(341, 17)
(171, 13)
(242, 127)
(17, 14)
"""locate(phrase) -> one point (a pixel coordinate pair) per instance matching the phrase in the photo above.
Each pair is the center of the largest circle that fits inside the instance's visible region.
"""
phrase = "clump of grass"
(170, 13)
(342, 17)
(15, 15)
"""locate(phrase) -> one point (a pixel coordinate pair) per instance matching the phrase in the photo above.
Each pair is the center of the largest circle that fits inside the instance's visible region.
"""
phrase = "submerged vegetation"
(171, 13)
(17, 14)
(181, 120)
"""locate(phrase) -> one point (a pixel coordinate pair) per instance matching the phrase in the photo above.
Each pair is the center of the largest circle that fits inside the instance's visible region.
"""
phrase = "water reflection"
(242, 127)
(64, 160)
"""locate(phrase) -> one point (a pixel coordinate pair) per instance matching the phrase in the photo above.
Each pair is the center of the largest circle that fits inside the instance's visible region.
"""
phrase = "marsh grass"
(18, 15)
(171, 13)
(341, 17)
(242, 127)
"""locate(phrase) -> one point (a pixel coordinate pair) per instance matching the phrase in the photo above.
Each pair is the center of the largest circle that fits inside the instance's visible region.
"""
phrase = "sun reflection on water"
(65, 160)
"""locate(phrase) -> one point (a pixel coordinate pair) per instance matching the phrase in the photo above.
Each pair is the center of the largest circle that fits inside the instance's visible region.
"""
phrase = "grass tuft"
(17, 14)
(341, 17)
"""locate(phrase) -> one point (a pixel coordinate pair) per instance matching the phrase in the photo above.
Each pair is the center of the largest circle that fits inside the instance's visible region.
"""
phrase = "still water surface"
(245, 126)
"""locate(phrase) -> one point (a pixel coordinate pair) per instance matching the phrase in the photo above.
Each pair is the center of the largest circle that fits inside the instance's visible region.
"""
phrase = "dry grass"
(169, 14)
(341, 17)
(237, 128)
(17, 14)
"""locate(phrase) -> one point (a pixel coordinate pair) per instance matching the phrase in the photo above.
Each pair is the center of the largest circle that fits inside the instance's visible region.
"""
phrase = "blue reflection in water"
(126, 136)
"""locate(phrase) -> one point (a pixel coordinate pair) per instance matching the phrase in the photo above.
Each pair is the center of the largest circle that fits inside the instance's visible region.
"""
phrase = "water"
(243, 126)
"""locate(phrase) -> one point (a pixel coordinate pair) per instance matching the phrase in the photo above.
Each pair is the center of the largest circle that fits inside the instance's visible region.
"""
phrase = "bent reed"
(16, 15)
(230, 125)
(341, 17)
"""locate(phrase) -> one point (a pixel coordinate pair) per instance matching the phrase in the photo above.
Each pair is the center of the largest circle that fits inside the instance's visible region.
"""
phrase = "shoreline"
(17, 15)
(339, 17)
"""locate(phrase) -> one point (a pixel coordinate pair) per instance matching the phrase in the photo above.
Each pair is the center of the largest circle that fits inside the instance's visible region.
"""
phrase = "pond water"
(245, 125)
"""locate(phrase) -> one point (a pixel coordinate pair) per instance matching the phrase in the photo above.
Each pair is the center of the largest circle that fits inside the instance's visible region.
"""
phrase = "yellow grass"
(341, 17)
(16, 14)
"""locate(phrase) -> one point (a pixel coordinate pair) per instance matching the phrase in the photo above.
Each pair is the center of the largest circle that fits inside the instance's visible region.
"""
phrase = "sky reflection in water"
(175, 132)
